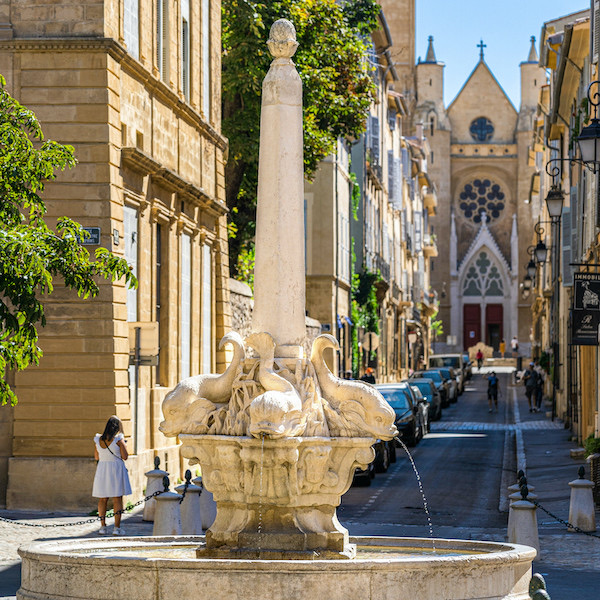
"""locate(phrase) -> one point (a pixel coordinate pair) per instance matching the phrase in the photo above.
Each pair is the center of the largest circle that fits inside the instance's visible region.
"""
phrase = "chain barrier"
(185, 487)
(562, 521)
(109, 515)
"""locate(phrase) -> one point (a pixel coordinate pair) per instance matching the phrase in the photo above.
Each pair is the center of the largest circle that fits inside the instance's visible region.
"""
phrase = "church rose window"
(481, 129)
(483, 278)
(479, 197)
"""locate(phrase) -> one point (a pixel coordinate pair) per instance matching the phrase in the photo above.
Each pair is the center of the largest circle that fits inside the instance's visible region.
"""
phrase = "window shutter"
(375, 139)
(397, 183)
(418, 237)
(567, 270)
(165, 40)
(391, 182)
(403, 225)
(159, 30)
(595, 30)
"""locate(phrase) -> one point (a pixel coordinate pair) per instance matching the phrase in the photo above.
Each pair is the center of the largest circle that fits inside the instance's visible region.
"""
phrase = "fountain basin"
(163, 568)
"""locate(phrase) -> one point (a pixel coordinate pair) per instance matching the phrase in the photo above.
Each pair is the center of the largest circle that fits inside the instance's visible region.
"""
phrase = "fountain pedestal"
(277, 498)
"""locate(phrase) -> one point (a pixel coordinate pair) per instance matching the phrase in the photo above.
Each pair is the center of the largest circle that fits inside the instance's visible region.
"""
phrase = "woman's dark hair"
(113, 426)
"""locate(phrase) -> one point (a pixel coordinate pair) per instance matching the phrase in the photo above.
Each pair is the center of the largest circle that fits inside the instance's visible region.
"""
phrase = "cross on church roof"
(481, 46)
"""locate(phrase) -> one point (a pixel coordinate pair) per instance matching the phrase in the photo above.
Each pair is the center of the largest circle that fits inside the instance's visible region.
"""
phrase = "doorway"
(471, 325)
(493, 325)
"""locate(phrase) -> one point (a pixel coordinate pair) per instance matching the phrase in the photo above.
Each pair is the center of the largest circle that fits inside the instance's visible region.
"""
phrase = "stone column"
(279, 275)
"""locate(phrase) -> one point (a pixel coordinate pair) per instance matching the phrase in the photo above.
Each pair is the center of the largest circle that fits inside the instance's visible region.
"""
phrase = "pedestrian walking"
(530, 379)
(368, 377)
(502, 348)
(479, 357)
(514, 345)
(539, 390)
(111, 479)
(492, 391)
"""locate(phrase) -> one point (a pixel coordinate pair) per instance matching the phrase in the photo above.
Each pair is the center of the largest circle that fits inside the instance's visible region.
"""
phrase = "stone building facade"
(479, 163)
(569, 50)
(135, 88)
(367, 213)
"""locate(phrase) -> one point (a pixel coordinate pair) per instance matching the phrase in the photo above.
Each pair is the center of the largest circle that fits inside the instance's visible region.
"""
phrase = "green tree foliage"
(31, 253)
(337, 87)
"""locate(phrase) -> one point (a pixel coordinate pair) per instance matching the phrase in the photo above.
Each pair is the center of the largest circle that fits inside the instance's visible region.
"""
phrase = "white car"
(451, 360)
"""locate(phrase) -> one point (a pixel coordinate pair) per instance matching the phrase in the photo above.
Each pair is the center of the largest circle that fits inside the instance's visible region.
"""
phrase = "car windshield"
(444, 361)
(396, 398)
(433, 375)
(424, 387)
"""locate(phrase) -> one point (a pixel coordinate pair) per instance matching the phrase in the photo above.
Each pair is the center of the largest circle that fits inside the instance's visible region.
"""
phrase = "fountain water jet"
(278, 438)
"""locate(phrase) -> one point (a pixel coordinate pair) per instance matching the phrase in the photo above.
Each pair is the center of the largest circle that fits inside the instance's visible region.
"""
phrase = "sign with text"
(93, 239)
(585, 323)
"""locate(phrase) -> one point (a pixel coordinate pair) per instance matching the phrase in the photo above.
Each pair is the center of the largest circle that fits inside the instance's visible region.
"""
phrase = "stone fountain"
(278, 438)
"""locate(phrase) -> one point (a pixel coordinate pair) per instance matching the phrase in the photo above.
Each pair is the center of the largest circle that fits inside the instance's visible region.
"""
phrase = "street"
(465, 470)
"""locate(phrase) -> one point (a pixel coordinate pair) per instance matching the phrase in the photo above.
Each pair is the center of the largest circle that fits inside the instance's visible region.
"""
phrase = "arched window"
(483, 278)
(481, 196)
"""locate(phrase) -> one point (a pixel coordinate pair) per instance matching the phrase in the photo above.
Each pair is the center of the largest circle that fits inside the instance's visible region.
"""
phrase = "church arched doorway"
(483, 301)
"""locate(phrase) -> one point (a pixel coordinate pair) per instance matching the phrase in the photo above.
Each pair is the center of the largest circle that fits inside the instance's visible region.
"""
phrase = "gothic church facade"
(479, 164)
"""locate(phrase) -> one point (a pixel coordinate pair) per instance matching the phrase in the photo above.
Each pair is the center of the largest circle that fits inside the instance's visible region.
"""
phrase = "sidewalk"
(570, 562)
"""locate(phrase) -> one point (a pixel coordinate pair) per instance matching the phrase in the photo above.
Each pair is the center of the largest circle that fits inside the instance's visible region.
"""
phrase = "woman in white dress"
(112, 478)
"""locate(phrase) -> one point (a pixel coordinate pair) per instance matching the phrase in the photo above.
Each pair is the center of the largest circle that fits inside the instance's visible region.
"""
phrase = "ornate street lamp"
(589, 138)
(531, 268)
(541, 252)
(527, 282)
(554, 202)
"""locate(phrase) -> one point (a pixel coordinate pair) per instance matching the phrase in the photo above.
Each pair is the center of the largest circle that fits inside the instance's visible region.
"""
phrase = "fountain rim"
(491, 553)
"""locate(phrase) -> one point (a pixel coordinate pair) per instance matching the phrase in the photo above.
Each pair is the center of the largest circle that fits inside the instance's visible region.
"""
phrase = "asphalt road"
(460, 474)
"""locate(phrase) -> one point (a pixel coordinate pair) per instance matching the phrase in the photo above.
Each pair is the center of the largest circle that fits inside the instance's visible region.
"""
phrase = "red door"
(471, 325)
(493, 325)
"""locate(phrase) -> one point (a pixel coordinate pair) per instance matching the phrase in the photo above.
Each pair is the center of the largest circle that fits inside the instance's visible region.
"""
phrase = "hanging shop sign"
(585, 327)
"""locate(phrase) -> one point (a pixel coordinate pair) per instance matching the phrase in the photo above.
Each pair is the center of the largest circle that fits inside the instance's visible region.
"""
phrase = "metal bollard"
(581, 506)
(208, 506)
(154, 484)
(523, 527)
(191, 522)
(167, 515)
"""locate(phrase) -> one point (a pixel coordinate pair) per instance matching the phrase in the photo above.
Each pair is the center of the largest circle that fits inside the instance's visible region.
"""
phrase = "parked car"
(409, 415)
(423, 405)
(431, 394)
(440, 383)
(468, 363)
(385, 453)
(452, 378)
(454, 361)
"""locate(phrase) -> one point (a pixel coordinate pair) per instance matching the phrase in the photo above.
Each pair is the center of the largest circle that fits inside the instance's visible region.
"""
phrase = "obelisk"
(279, 277)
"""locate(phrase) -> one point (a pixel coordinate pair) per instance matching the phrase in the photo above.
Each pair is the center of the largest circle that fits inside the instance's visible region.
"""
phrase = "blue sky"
(505, 26)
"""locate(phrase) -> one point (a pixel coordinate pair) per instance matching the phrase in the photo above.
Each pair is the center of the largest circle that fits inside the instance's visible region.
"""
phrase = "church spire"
(533, 55)
(430, 58)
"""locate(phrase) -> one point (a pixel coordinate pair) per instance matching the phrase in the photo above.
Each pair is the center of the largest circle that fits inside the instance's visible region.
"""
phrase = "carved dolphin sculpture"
(277, 412)
(188, 407)
(357, 403)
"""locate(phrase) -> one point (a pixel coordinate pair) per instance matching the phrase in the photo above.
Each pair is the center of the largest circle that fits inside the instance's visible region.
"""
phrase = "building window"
(185, 48)
(206, 59)
(162, 38)
(131, 27)
(483, 278)
(130, 233)
(206, 309)
(479, 197)
(185, 306)
(344, 248)
(481, 129)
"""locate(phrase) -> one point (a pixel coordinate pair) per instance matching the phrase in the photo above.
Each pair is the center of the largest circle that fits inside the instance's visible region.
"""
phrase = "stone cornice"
(144, 164)
(128, 63)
